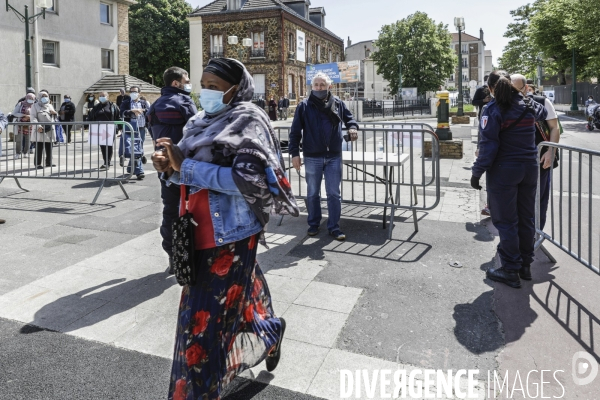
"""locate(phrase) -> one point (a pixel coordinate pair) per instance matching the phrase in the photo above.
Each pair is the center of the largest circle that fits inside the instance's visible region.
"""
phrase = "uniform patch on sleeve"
(484, 120)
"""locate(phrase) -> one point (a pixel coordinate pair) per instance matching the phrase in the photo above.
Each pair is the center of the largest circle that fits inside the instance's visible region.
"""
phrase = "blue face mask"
(67, 100)
(187, 87)
(44, 100)
(102, 99)
(212, 100)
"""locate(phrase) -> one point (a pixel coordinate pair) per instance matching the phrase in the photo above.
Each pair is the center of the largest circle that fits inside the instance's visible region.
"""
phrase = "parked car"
(550, 95)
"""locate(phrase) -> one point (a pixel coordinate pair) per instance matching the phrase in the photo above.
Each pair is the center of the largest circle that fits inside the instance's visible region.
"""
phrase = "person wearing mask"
(318, 125)
(230, 171)
(24, 98)
(43, 135)
(590, 100)
(272, 109)
(508, 156)
(286, 106)
(23, 136)
(482, 96)
(143, 98)
(166, 119)
(90, 103)
(105, 110)
(66, 113)
(546, 131)
(133, 110)
(280, 108)
(122, 95)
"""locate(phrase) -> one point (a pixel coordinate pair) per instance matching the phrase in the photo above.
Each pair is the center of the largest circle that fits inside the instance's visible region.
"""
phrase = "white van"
(550, 95)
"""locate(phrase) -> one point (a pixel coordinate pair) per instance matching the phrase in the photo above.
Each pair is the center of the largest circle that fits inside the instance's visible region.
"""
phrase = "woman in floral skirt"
(229, 162)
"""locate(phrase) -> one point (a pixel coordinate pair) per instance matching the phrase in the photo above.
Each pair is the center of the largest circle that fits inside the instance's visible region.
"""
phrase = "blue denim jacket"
(232, 218)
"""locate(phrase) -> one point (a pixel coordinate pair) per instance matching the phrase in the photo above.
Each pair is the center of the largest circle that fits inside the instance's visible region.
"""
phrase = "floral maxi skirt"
(226, 322)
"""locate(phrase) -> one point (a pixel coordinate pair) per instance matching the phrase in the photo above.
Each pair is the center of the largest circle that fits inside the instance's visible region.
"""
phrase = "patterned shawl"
(243, 129)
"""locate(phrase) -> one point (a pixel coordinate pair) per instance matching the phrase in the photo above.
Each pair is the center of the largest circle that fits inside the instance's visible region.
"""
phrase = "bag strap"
(515, 122)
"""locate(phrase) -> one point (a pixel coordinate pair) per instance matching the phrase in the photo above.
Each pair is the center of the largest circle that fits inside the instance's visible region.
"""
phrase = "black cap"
(530, 81)
(30, 90)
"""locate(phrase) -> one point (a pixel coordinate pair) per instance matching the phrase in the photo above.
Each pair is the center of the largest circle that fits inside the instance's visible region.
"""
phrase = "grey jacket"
(3, 122)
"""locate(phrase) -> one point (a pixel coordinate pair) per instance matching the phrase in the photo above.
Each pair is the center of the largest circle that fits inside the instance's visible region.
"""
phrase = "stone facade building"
(76, 45)
(284, 36)
(472, 54)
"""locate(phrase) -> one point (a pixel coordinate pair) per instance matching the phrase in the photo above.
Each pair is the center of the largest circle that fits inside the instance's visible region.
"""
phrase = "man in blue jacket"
(167, 117)
(318, 124)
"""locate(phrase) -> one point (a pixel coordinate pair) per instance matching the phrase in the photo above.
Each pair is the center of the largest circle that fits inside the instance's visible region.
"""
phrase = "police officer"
(167, 117)
(508, 156)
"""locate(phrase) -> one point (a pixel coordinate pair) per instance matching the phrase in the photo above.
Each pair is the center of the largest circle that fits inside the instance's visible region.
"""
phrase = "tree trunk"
(562, 79)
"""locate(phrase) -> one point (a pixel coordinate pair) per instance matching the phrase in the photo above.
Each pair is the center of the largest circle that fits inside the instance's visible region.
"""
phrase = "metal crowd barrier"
(79, 160)
(570, 223)
(371, 164)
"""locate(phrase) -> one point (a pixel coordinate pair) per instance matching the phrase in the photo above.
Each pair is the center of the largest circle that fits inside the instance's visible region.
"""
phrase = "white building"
(372, 85)
(78, 43)
(472, 55)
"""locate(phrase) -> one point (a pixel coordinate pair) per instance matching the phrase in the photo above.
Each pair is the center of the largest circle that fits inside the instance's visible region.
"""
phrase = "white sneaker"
(17, 156)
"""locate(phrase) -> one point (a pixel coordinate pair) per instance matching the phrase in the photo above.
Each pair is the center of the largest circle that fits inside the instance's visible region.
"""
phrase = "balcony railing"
(291, 55)
(257, 53)
(292, 96)
(309, 60)
(216, 54)
(465, 51)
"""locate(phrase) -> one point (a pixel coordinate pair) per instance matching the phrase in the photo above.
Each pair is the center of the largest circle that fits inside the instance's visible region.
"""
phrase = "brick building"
(284, 36)
(473, 59)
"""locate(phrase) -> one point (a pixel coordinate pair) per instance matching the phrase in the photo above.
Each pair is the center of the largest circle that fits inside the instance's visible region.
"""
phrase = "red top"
(198, 206)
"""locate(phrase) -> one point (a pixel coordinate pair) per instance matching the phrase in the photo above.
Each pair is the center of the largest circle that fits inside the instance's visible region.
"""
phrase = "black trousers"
(67, 129)
(107, 152)
(511, 188)
(39, 149)
(171, 197)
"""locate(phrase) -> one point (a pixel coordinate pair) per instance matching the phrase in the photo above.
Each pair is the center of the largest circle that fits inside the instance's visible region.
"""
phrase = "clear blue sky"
(362, 19)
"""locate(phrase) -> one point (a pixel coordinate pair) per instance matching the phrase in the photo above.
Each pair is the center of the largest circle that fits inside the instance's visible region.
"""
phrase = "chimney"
(481, 34)
(349, 42)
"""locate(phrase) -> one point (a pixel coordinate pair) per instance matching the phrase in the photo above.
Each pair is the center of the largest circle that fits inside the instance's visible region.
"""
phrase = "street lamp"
(43, 4)
(152, 77)
(400, 77)
(246, 42)
(459, 23)
(574, 86)
(539, 71)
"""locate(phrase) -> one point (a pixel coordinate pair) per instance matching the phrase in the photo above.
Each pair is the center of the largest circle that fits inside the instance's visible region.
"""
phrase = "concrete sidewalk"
(96, 276)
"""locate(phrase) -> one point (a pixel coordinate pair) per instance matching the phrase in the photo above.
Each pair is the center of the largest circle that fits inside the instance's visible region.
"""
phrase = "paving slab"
(313, 325)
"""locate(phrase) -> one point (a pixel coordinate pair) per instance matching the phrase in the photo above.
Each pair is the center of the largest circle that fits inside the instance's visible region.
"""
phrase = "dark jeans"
(315, 168)
(39, 149)
(544, 195)
(107, 153)
(171, 197)
(67, 129)
(511, 188)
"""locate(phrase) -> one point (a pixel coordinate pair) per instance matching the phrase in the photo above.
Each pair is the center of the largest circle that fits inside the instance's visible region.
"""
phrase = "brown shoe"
(2, 221)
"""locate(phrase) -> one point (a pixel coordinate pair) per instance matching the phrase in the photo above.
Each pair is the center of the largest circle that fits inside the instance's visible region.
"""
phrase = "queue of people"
(512, 125)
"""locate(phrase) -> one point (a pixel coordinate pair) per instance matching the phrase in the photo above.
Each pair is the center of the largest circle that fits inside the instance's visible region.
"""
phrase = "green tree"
(427, 60)
(159, 38)
(583, 21)
(520, 54)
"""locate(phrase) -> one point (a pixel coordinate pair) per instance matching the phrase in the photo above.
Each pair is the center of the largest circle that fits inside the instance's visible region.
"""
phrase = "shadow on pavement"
(71, 303)
(363, 239)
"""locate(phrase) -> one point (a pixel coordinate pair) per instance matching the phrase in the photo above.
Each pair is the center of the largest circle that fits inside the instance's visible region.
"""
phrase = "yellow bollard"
(443, 115)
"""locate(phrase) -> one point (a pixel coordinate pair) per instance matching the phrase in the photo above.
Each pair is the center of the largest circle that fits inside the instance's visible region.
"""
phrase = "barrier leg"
(547, 253)
(17, 181)
(414, 210)
(98, 192)
(280, 221)
(415, 192)
(123, 189)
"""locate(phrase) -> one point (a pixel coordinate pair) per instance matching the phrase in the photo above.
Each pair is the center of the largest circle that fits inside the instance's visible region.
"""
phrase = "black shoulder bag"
(542, 132)
(184, 246)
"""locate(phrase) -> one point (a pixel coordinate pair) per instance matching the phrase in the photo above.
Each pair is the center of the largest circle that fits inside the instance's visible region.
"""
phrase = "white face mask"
(134, 96)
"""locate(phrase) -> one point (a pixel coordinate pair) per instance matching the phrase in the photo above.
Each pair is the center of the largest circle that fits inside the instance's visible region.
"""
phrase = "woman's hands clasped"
(167, 159)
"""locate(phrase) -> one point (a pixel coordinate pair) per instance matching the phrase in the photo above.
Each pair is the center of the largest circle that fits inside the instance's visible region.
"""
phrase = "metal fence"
(574, 195)
(385, 168)
(563, 94)
(394, 108)
(44, 156)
